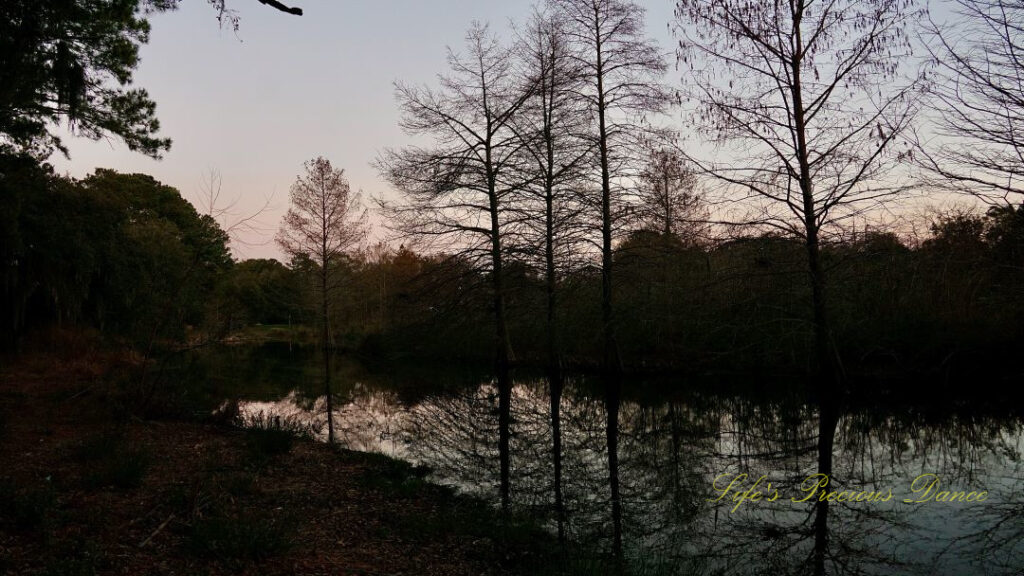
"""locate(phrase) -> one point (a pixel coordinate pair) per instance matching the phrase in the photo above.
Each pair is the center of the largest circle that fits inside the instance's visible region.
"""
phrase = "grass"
(239, 484)
(516, 542)
(260, 333)
(98, 447)
(123, 472)
(221, 514)
(268, 442)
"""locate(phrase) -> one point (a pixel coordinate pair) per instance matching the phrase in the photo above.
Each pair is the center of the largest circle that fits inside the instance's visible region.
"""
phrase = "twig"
(157, 531)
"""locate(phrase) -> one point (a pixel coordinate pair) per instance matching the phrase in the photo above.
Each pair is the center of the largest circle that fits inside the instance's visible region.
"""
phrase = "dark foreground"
(89, 487)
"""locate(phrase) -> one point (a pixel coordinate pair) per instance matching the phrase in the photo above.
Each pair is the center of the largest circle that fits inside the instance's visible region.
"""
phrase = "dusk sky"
(256, 105)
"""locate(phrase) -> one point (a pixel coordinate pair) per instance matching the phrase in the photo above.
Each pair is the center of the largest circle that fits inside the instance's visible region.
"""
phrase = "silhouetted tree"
(809, 97)
(120, 252)
(226, 14)
(621, 72)
(550, 126)
(1006, 235)
(325, 219)
(457, 192)
(74, 61)
(266, 291)
(669, 201)
(226, 212)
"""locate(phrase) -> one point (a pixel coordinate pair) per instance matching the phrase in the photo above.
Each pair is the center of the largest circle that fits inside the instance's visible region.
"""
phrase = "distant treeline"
(128, 256)
(947, 303)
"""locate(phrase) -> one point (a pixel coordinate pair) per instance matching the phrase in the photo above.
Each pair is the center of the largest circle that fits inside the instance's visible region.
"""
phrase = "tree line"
(548, 163)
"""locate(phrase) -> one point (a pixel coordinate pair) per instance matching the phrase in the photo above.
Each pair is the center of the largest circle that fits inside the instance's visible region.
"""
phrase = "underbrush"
(267, 436)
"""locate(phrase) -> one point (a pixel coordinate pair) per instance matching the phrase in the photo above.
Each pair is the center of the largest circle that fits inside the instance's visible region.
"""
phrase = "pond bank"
(90, 488)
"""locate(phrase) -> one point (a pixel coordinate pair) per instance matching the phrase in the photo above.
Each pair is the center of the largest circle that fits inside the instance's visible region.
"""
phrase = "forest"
(130, 258)
(603, 275)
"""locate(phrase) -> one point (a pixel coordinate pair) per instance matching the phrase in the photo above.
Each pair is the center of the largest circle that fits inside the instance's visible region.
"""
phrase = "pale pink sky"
(286, 89)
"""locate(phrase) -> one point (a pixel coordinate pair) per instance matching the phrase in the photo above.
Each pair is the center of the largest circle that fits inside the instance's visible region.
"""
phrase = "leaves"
(74, 61)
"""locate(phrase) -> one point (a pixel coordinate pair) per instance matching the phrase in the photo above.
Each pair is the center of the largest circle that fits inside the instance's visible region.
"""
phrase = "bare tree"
(669, 200)
(550, 126)
(456, 193)
(621, 72)
(808, 94)
(978, 84)
(232, 220)
(325, 219)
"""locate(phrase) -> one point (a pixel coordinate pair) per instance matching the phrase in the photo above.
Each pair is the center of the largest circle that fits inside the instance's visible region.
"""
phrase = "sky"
(255, 105)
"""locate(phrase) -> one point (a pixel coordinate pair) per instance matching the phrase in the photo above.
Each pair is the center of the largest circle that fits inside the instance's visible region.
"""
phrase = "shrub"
(268, 436)
(264, 442)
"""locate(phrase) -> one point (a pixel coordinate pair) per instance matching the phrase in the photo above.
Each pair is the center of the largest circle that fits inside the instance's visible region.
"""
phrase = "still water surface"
(679, 448)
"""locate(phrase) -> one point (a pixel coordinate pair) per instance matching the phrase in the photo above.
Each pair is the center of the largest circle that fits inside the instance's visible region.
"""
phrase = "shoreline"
(94, 489)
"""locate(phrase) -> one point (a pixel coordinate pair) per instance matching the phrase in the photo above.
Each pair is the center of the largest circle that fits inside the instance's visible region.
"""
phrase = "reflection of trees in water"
(671, 452)
(868, 453)
(991, 536)
(367, 420)
(662, 469)
(456, 434)
(997, 536)
(371, 420)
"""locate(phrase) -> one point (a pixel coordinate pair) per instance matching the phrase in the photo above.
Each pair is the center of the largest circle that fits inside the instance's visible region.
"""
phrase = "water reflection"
(667, 454)
(556, 384)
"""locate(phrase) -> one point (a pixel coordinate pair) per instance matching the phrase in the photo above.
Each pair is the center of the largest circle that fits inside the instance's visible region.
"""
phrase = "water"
(673, 444)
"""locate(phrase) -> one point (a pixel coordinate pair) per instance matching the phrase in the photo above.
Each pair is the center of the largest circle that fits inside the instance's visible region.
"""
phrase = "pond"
(710, 481)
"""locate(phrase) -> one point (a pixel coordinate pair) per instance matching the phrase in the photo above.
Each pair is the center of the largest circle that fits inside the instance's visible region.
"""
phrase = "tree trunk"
(326, 345)
(504, 408)
(612, 402)
(551, 279)
(677, 445)
(668, 207)
(553, 356)
(611, 364)
(828, 418)
(826, 366)
(611, 352)
(556, 384)
(501, 342)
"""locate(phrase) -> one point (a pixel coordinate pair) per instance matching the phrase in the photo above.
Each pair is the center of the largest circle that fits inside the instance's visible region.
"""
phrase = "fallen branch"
(157, 531)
